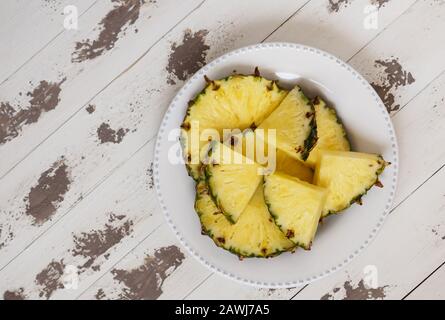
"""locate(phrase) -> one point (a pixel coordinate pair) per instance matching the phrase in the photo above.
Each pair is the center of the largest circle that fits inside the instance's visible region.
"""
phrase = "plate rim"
(394, 165)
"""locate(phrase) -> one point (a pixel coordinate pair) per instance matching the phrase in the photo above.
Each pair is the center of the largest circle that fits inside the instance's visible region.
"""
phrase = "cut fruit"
(293, 167)
(254, 235)
(283, 163)
(347, 176)
(330, 131)
(232, 179)
(296, 207)
(294, 122)
(236, 102)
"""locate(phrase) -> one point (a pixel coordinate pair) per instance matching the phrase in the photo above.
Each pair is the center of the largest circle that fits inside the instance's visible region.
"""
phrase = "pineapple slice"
(347, 176)
(331, 133)
(254, 235)
(283, 163)
(294, 122)
(232, 179)
(296, 207)
(236, 102)
(293, 167)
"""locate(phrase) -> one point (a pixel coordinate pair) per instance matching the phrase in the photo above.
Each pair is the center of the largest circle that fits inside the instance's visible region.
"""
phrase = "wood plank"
(29, 26)
(410, 245)
(159, 263)
(101, 141)
(426, 164)
(65, 76)
(96, 234)
(341, 32)
(432, 288)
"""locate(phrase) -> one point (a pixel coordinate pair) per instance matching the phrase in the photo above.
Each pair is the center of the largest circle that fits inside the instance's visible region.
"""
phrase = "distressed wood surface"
(80, 110)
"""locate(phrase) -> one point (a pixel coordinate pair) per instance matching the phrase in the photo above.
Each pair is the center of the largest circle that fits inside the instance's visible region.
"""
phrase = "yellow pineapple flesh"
(232, 179)
(294, 124)
(236, 102)
(347, 176)
(253, 235)
(296, 207)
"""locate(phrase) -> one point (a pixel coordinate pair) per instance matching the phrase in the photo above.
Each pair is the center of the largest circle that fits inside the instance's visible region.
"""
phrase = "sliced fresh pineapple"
(330, 131)
(347, 176)
(293, 167)
(296, 207)
(232, 179)
(249, 145)
(254, 235)
(236, 102)
(294, 122)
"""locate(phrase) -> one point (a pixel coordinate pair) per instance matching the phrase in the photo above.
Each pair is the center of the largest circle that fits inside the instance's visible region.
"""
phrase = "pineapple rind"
(231, 236)
(381, 164)
(331, 132)
(221, 177)
(295, 125)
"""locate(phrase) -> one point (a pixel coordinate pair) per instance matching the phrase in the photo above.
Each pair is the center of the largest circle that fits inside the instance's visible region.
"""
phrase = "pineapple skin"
(324, 116)
(282, 115)
(213, 192)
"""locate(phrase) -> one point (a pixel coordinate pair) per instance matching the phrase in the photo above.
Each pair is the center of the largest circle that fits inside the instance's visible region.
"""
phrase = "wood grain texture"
(30, 26)
(76, 188)
(114, 125)
(128, 35)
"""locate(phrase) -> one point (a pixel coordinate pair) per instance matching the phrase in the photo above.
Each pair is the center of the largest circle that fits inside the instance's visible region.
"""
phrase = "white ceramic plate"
(340, 238)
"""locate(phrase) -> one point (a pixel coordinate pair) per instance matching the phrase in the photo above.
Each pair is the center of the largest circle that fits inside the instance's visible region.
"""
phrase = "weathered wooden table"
(83, 87)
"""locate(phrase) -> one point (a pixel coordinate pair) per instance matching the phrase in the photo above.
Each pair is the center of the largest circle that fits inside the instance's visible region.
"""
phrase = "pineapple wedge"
(236, 102)
(331, 133)
(347, 176)
(296, 207)
(294, 122)
(283, 163)
(232, 179)
(254, 235)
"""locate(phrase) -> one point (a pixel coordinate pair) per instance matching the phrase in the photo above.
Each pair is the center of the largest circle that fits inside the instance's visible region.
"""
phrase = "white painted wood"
(28, 27)
(175, 286)
(406, 251)
(431, 289)
(86, 79)
(133, 101)
(126, 193)
(341, 33)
